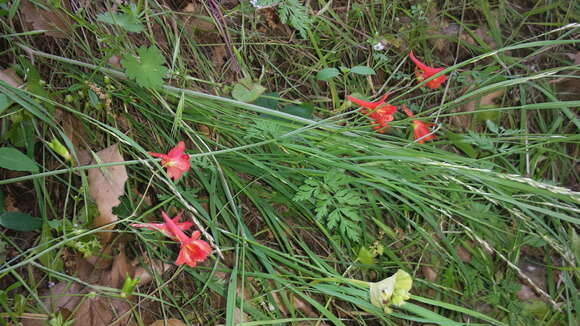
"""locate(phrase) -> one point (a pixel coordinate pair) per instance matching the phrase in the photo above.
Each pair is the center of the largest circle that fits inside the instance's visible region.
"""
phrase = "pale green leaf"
(362, 70)
(15, 160)
(327, 74)
(147, 69)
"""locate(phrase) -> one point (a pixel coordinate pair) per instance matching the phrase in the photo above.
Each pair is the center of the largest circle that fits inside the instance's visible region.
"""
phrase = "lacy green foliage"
(295, 14)
(264, 129)
(128, 20)
(337, 202)
(291, 12)
(147, 69)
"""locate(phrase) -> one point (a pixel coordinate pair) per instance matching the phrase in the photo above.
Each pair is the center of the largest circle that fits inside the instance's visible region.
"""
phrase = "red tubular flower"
(423, 72)
(192, 249)
(176, 161)
(421, 129)
(164, 228)
(379, 111)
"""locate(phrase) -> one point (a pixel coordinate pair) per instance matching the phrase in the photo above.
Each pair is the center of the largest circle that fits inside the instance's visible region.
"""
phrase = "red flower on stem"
(379, 111)
(423, 72)
(176, 161)
(164, 228)
(421, 129)
(193, 250)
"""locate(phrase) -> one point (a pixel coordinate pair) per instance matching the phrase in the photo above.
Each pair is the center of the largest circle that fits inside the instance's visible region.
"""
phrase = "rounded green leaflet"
(20, 221)
(15, 160)
(327, 74)
(362, 70)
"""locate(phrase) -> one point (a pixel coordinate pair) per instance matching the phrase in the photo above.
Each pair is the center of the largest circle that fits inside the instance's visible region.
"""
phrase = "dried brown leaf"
(75, 301)
(145, 276)
(199, 23)
(464, 120)
(56, 23)
(10, 77)
(120, 270)
(429, 273)
(106, 185)
(73, 130)
(168, 322)
(463, 254)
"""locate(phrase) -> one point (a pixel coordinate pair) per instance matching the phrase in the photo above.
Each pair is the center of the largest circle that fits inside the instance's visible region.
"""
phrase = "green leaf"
(296, 14)
(5, 102)
(147, 69)
(247, 91)
(129, 21)
(365, 256)
(268, 100)
(20, 221)
(362, 70)
(303, 110)
(460, 142)
(1, 201)
(327, 74)
(13, 159)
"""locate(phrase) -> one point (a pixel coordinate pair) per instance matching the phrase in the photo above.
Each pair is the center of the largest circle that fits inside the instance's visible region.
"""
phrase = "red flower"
(379, 111)
(164, 228)
(192, 249)
(423, 72)
(420, 129)
(175, 161)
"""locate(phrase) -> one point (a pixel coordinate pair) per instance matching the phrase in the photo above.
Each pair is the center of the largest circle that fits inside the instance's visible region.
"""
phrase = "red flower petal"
(176, 161)
(425, 72)
(421, 129)
(379, 111)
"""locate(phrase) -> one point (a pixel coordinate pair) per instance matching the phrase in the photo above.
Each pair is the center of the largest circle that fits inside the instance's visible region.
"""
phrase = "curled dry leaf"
(106, 185)
(56, 23)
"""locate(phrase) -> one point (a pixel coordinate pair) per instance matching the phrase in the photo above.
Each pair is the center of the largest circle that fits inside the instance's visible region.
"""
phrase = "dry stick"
(223, 29)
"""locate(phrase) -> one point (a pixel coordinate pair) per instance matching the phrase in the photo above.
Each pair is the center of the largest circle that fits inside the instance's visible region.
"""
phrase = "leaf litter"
(106, 185)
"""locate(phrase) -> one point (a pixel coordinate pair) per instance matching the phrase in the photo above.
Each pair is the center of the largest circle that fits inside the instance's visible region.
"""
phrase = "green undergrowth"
(300, 195)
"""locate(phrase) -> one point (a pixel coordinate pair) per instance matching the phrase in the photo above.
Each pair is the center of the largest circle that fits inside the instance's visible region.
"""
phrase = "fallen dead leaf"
(195, 9)
(10, 77)
(168, 322)
(73, 130)
(297, 304)
(219, 55)
(115, 61)
(56, 23)
(464, 120)
(120, 269)
(106, 185)
(84, 304)
(463, 254)
(429, 273)
(145, 276)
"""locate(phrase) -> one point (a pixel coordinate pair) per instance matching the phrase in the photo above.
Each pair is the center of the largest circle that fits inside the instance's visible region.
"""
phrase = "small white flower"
(255, 4)
(379, 46)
